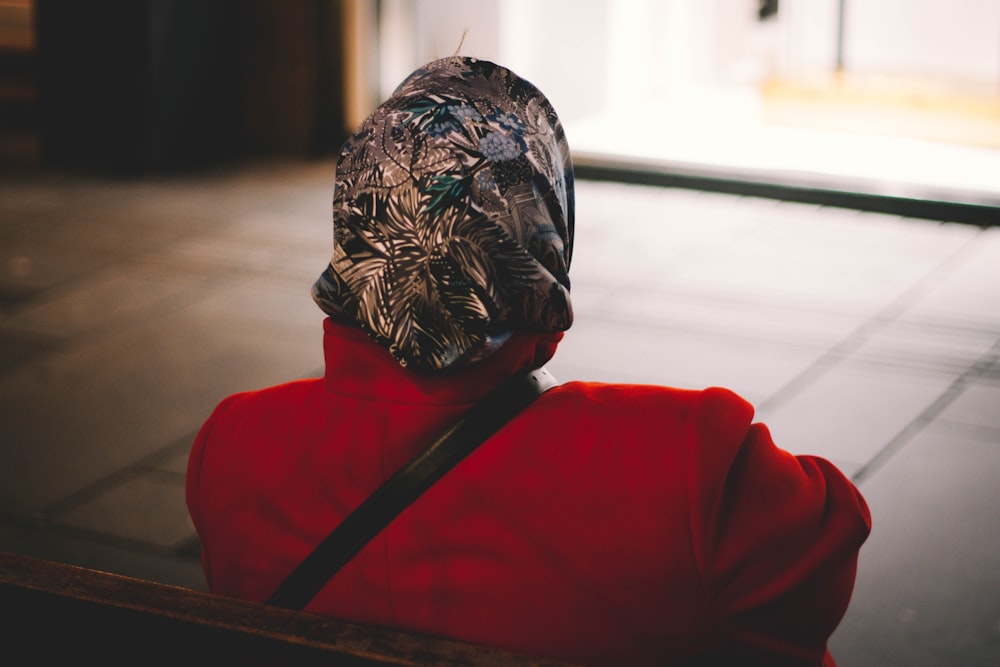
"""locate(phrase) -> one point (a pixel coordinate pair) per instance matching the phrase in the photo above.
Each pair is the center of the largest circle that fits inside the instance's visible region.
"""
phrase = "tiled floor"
(129, 308)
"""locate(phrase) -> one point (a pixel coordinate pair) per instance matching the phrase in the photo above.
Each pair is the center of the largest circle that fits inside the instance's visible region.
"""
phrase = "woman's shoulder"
(279, 397)
(711, 403)
(706, 419)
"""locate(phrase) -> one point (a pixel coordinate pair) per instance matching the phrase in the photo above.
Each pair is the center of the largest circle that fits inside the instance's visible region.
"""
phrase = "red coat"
(606, 524)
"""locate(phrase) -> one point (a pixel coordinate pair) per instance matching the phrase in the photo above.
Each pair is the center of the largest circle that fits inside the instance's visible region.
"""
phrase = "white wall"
(807, 36)
(591, 56)
(414, 32)
(588, 56)
(559, 45)
(958, 38)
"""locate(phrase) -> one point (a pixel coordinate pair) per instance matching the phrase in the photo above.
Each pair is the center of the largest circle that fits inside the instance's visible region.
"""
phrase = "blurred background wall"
(932, 71)
(139, 86)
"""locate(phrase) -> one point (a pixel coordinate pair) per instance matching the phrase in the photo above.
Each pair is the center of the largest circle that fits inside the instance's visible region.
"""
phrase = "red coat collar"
(358, 366)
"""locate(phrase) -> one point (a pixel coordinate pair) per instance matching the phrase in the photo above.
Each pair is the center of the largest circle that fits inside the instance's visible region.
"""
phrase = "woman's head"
(453, 217)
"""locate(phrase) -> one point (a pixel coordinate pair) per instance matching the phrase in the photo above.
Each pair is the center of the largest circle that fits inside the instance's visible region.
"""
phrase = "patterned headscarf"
(453, 217)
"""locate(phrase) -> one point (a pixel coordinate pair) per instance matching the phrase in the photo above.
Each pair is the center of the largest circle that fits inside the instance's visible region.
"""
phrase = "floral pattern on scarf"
(453, 217)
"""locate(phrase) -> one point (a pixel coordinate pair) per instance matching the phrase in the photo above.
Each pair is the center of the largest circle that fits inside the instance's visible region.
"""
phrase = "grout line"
(973, 373)
(144, 466)
(855, 339)
(722, 300)
(972, 431)
(913, 364)
(148, 465)
(749, 302)
(123, 323)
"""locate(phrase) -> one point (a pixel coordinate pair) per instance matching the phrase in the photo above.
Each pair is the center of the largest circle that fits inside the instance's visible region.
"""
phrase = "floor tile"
(920, 345)
(176, 463)
(174, 457)
(977, 405)
(618, 352)
(74, 416)
(224, 250)
(303, 224)
(928, 587)
(106, 299)
(259, 244)
(643, 233)
(839, 261)
(149, 509)
(28, 267)
(106, 216)
(850, 411)
(591, 300)
(17, 348)
(760, 320)
(970, 292)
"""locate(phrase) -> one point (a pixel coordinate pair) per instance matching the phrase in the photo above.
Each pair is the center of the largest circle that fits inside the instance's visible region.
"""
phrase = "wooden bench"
(53, 611)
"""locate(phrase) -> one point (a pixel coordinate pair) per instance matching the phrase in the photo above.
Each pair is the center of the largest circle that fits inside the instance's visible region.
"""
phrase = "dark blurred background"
(133, 87)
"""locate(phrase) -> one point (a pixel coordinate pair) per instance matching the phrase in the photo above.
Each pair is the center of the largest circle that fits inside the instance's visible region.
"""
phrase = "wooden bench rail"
(58, 611)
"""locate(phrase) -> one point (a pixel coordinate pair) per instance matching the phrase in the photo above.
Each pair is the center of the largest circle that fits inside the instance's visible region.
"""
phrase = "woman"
(605, 524)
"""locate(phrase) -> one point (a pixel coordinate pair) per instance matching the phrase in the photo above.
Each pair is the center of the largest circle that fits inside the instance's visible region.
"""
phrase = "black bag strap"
(406, 485)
